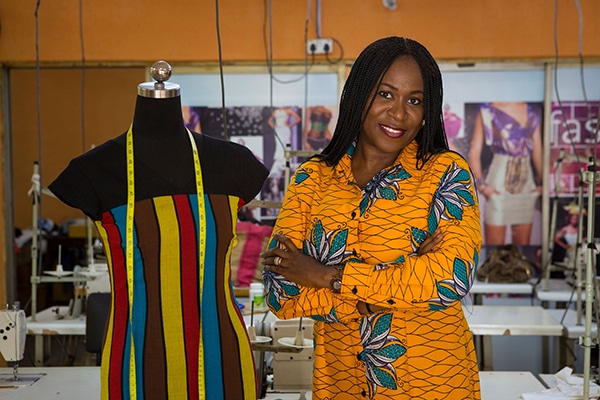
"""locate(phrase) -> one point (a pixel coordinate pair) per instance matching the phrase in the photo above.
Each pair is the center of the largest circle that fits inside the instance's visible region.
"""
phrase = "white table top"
(63, 383)
(74, 383)
(512, 320)
(500, 385)
(557, 290)
(47, 323)
(516, 288)
(571, 329)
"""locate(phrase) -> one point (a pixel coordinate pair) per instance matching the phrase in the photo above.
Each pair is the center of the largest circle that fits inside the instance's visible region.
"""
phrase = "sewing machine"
(13, 331)
(284, 353)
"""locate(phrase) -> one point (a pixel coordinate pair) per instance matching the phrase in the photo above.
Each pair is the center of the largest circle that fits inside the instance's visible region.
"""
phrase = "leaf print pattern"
(417, 238)
(301, 176)
(329, 248)
(381, 350)
(331, 317)
(448, 203)
(278, 289)
(412, 353)
(452, 195)
(451, 290)
(384, 185)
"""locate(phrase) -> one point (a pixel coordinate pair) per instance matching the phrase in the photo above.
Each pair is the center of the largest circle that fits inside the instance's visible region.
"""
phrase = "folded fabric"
(568, 387)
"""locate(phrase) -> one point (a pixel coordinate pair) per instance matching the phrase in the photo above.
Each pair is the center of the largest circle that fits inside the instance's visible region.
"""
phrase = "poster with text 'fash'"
(574, 133)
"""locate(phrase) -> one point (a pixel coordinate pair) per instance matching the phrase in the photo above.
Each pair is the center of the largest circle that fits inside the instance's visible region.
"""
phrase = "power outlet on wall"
(319, 46)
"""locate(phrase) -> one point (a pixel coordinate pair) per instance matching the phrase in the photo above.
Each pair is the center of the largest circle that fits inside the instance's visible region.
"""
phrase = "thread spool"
(257, 295)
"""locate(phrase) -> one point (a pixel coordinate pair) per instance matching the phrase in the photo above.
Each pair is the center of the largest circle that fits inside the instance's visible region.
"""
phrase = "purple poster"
(574, 127)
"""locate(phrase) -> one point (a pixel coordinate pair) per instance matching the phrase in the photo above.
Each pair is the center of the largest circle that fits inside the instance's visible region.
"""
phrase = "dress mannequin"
(177, 322)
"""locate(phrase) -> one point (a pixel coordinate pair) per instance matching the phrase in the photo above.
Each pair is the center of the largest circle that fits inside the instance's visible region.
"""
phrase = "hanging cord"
(82, 76)
(556, 91)
(37, 193)
(306, 22)
(223, 110)
(318, 19)
(267, 41)
(581, 74)
(580, 53)
(271, 76)
(341, 53)
(582, 80)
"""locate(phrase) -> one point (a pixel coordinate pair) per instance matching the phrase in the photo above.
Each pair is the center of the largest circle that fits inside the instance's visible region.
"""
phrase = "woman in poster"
(510, 184)
(318, 134)
(282, 121)
(566, 238)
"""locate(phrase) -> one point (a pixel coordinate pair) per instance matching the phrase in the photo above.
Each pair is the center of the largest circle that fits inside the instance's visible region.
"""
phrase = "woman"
(512, 130)
(566, 237)
(318, 135)
(349, 248)
(282, 121)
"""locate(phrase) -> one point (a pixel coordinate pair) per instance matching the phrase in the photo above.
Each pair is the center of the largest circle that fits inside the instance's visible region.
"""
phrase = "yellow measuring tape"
(130, 258)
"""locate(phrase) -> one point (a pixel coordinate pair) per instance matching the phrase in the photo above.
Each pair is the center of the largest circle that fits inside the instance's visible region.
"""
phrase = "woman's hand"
(429, 245)
(488, 190)
(537, 190)
(295, 266)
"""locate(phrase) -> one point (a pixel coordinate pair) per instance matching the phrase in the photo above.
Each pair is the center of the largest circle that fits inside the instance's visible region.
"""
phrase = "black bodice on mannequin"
(161, 141)
(97, 180)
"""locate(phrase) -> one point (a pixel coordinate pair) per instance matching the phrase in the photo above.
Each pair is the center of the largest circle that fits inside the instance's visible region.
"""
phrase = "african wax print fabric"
(422, 347)
(175, 328)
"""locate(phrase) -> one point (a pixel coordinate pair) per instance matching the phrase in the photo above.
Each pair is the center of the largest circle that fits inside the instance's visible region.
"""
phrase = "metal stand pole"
(35, 189)
(587, 341)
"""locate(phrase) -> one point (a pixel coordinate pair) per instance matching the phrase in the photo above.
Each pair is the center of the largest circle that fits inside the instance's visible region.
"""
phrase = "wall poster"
(266, 114)
(494, 119)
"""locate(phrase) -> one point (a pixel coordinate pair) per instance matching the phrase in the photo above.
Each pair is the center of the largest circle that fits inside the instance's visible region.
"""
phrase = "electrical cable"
(586, 340)
(341, 52)
(265, 39)
(223, 109)
(269, 51)
(38, 197)
(82, 76)
(306, 22)
(580, 54)
(555, 69)
(318, 19)
(271, 76)
(267, 46)
(581, 70)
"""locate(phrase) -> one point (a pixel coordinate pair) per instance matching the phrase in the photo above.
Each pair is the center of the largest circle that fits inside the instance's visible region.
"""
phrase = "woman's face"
(574, 219)
(396, 114)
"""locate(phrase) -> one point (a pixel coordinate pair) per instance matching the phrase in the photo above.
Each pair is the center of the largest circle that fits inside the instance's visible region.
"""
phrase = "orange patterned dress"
(422, 348)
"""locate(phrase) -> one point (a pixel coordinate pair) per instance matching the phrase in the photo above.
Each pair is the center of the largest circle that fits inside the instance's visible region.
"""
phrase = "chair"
(97, 311)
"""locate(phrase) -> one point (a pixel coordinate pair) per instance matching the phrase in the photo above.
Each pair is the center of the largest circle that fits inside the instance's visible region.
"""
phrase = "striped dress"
(422, 347)
(177, 335)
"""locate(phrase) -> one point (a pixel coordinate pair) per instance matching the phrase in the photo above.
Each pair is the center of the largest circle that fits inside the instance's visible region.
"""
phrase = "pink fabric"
(255, 235)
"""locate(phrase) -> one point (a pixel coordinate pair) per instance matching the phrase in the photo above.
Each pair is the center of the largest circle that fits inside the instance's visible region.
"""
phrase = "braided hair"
(356, 100)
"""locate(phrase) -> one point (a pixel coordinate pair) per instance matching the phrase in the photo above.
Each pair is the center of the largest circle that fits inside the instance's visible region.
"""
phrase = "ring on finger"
(277, 261)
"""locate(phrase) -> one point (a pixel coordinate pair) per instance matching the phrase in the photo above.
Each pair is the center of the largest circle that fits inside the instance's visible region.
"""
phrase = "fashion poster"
(570, 234)
(503, 143)
(454, 126)
(573, 135)
(320, 123)
(267, 132)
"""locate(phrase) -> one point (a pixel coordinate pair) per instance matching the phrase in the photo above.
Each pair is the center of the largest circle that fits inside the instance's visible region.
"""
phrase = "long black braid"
(356, 100)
